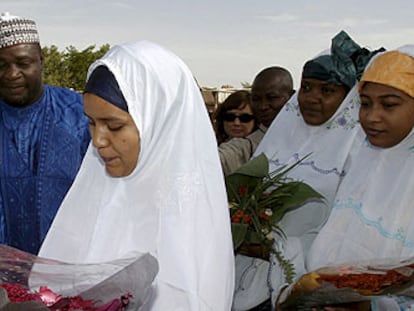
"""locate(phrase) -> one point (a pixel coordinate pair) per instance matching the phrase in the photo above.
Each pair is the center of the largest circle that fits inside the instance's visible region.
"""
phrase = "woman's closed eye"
(115, 127)
(389, 105)
(90, 121)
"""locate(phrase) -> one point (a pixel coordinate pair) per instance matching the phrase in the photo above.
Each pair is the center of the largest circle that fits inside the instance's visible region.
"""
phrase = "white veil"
(173, 205)
(288, 140)
(373, 210)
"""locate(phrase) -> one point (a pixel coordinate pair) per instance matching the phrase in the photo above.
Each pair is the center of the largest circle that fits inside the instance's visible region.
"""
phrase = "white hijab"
(290, 139)
(173, 205)
(373, 211)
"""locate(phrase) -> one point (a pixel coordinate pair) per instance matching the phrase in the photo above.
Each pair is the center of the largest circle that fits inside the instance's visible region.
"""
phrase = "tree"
(54, 72)
(69, 68)
(78, 63)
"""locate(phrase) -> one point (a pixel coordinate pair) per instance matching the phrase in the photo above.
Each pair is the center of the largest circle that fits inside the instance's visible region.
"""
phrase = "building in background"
(213, 97)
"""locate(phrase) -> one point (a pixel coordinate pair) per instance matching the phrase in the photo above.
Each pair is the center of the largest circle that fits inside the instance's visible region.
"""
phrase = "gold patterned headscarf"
(392, 68)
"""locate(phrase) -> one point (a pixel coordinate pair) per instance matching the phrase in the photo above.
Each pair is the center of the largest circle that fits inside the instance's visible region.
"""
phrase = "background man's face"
(268, 98)
(21, 74)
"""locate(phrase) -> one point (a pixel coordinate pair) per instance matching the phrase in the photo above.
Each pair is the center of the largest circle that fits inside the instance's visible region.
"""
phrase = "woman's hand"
(254, 250)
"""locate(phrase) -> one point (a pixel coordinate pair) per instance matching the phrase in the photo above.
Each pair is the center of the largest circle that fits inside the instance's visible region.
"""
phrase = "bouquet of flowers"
(347, 283)
(258, 200)
(42, 283)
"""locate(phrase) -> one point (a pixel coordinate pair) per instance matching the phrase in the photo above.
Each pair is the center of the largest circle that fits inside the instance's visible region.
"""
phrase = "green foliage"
(258, 200)
(287, 267)
(69, 67)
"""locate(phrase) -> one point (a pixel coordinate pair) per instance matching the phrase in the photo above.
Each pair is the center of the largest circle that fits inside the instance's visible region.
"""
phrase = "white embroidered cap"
(16, 30)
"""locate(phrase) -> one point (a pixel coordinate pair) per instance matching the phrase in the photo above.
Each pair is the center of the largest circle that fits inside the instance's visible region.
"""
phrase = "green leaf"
(303, 192)
(254, 237)
(250, 174)
(300, 193)
(238, 232)
(256, 167)
(253, 190)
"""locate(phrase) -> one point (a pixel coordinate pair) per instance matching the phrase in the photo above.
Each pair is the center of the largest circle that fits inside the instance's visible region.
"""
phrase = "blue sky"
(223, 42)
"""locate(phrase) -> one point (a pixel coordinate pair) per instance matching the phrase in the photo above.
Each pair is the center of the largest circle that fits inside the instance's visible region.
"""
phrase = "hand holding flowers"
(258, 200)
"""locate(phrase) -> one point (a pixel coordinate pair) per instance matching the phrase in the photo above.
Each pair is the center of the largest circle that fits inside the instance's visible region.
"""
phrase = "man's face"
(21, 74)
(268, 98)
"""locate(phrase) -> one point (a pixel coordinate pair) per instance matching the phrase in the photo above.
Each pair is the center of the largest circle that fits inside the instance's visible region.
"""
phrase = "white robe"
(174, 203)
(288, 140)
(373, 211)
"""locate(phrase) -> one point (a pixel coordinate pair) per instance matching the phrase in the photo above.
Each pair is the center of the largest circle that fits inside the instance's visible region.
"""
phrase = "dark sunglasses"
(244, 117)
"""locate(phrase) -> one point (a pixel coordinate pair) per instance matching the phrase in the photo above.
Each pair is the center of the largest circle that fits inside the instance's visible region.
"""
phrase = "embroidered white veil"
(373, 212)
(288, 140)
(173, 205)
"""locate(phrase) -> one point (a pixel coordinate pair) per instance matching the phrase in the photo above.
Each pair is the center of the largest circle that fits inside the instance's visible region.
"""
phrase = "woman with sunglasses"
(234, 117)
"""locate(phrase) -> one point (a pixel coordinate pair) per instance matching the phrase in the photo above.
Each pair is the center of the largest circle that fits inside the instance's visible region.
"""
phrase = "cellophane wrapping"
(348, 283)
(101, 282)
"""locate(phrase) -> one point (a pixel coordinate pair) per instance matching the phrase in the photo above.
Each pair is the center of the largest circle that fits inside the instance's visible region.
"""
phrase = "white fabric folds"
(288, 140)
(372, 216)
(174, 203)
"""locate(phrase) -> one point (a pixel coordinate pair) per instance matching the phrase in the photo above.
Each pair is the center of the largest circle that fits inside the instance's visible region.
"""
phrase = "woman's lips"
(237, 131)
(311, 110)
(373, 132)
(109, 160)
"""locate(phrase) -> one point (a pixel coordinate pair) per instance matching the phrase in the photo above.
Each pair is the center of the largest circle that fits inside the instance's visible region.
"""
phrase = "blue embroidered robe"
(41, 149)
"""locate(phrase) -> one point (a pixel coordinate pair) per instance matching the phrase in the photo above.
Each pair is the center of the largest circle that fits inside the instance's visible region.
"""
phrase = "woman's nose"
(99, 137)
(313, 97)
(236, 121)
(373, 114)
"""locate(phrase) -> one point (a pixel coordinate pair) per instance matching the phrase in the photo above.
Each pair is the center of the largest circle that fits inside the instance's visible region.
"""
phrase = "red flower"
(237, 217)
(18, 293)
(262, 215)
(246, 218)
(242, 191)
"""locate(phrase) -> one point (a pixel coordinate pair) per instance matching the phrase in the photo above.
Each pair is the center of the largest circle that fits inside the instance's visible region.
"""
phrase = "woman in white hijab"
(151, 181)
(318, 124)
(372, 216)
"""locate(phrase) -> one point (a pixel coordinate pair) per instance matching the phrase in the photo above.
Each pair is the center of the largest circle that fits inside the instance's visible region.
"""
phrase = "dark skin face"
(386, 114)
(21, 74)
(268, 97)
(319, 100)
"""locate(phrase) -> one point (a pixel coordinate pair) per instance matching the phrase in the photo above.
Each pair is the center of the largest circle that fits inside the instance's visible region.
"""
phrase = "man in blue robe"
(43, 138)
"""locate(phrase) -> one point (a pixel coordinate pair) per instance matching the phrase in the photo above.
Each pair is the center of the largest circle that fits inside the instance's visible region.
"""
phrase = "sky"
(223, 42)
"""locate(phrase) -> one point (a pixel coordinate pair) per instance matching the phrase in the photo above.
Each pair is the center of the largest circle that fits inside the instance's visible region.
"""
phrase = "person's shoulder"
(235, 142)
(257, 134)
(62, 90)
(65, 97)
